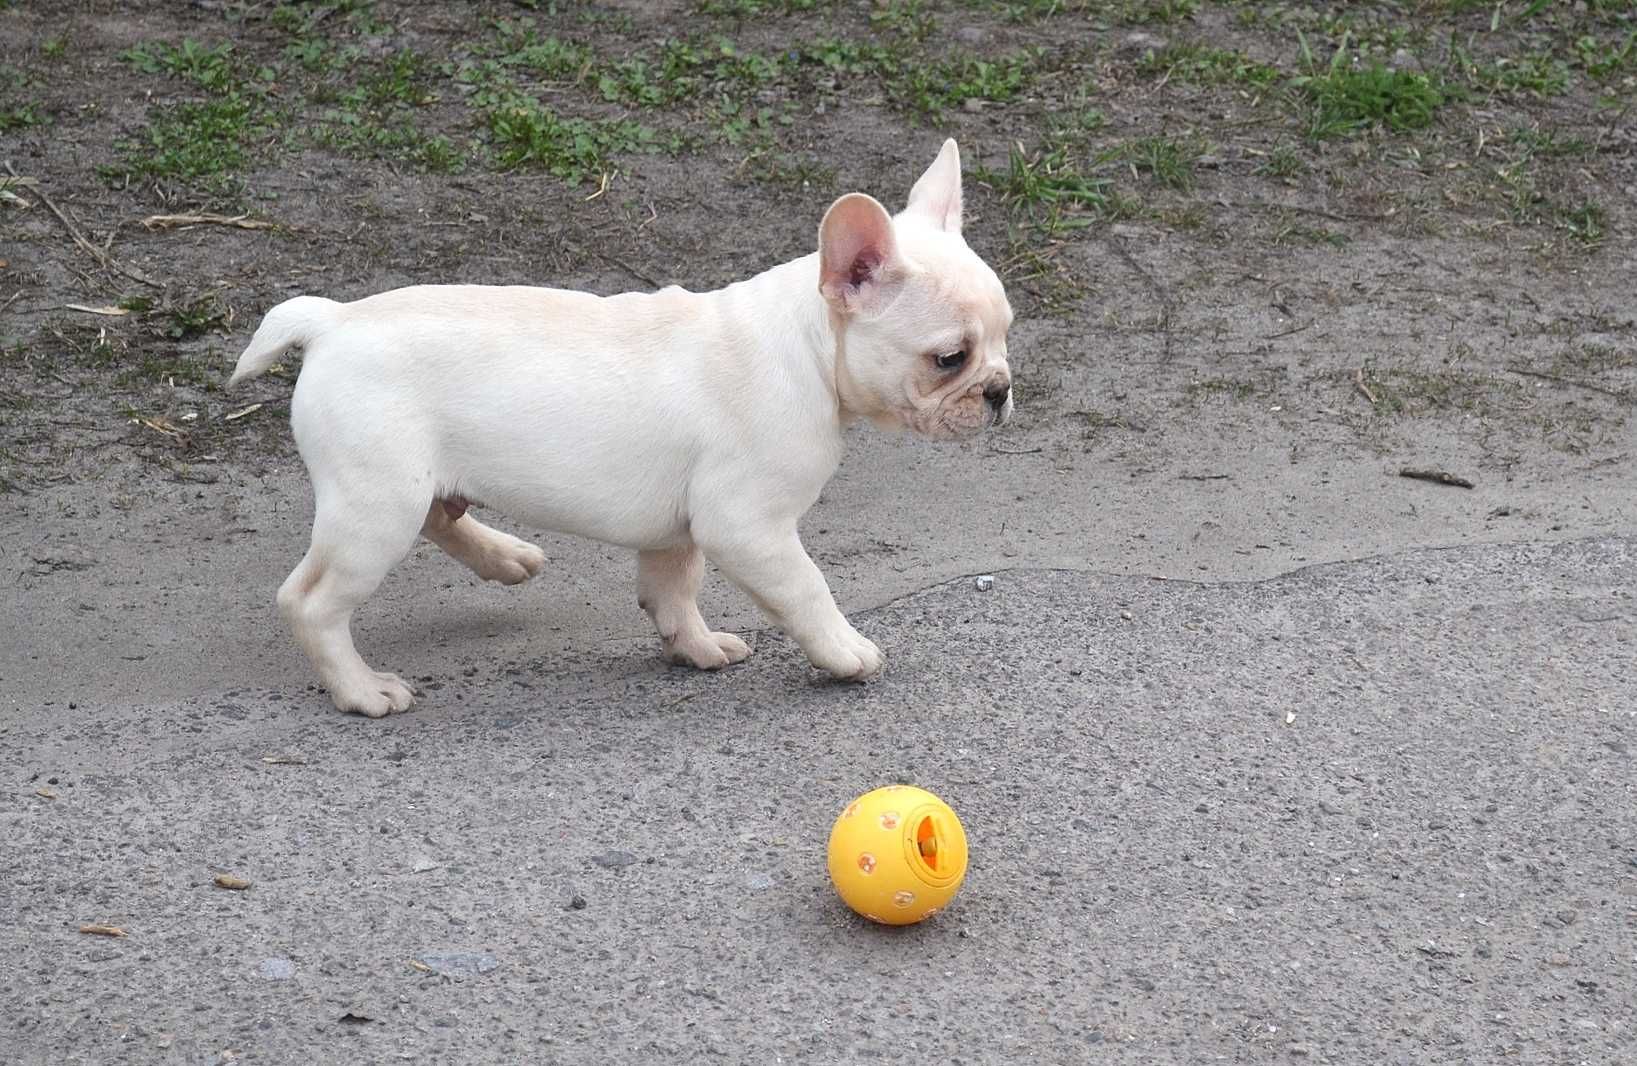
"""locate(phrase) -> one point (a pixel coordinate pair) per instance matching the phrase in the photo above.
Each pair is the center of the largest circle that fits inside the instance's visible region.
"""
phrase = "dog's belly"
(625, 502)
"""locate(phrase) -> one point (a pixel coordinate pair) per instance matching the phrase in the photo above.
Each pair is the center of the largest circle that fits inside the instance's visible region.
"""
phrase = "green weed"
(1347, 98)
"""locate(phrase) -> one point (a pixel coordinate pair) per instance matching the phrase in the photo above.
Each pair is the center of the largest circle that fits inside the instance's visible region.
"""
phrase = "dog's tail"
(295, 323)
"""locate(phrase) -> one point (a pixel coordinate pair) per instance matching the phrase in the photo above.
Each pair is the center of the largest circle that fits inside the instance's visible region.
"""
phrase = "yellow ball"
(897, 855)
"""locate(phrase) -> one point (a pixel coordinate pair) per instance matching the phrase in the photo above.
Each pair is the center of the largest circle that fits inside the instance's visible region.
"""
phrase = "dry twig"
(1441, 477)
(1358, 383)
(186, 221)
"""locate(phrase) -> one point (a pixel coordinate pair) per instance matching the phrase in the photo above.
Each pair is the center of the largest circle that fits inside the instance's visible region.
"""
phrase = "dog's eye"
(951, 361)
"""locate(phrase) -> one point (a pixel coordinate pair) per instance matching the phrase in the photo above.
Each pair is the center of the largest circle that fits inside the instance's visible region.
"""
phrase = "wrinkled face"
(932, 359)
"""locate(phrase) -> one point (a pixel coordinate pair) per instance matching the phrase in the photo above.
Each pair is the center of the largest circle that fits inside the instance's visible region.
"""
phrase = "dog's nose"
(996, 394)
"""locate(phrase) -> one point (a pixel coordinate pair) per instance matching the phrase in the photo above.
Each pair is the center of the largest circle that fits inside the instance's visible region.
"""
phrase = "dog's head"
(920, 320)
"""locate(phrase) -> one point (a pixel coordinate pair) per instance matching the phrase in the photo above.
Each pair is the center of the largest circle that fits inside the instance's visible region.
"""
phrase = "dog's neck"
(790, 311)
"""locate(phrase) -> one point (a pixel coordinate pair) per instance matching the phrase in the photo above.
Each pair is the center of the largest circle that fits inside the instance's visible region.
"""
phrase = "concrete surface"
(1375, 811)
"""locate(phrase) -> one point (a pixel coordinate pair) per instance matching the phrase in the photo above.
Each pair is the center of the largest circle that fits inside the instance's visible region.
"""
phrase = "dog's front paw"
(709, 652)
(848, 656)
(373, 695)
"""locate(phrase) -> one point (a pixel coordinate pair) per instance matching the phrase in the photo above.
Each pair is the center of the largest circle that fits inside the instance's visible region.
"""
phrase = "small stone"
(576, 902)
(1125, 616)
(1301, 1050)
(421, 864)
(458, 963)
(1141, 42)
(614, 860)
(276, 969)
(757, 881)
(984, 582)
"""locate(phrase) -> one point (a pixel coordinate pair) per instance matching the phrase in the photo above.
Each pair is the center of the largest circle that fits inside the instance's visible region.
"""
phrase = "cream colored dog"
(680, 424)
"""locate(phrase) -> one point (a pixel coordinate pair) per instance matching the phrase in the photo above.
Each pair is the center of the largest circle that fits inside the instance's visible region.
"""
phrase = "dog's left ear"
(937, 195)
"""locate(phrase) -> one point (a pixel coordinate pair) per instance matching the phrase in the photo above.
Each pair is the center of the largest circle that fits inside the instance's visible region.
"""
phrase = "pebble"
(276, 969)
(1142, 42)
(984, 582)
(757, 881)
(458, 963)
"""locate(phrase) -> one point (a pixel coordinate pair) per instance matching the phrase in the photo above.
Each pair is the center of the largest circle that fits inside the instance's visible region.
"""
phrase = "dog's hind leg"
(361, 530)
(491, 554)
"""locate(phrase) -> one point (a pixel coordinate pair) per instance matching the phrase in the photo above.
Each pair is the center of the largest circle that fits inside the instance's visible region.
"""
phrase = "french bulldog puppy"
(683, 425)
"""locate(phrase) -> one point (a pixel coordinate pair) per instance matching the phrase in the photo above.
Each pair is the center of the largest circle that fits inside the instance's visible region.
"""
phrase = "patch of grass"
(1239, 389)
(193, 141)
(1594, 359)
(208, 67)
(685, 70)
(1606, 59)
(1301, 233)
(22, 117)
(399, 80)
(905, 18)
(752, 8)
(1347, 98)
(932, 87)
(1533, 74)
(1166, 160)
(771, 166)
(1145, 12)
(1585, 222)
(518, 44)
(1419, 393)
(194, 318)
(1282, 161)
(1201, 65)
(1546, 143)
(167, 370)
(54, 48)
(1050, 189)
(527, 133)
(396, 139)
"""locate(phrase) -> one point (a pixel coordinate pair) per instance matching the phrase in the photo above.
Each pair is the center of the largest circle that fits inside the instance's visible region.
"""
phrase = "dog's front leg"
(777, 573)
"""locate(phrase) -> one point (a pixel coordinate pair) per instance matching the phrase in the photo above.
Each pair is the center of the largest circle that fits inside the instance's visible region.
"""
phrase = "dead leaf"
(45, 793)
(102, 930)
(252, 409)
(284, 760)
(419, 965)
(163, 425)
(237, 884)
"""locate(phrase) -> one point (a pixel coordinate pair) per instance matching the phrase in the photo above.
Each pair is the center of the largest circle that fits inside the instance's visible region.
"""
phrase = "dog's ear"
(856, 254)
(937, 195)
